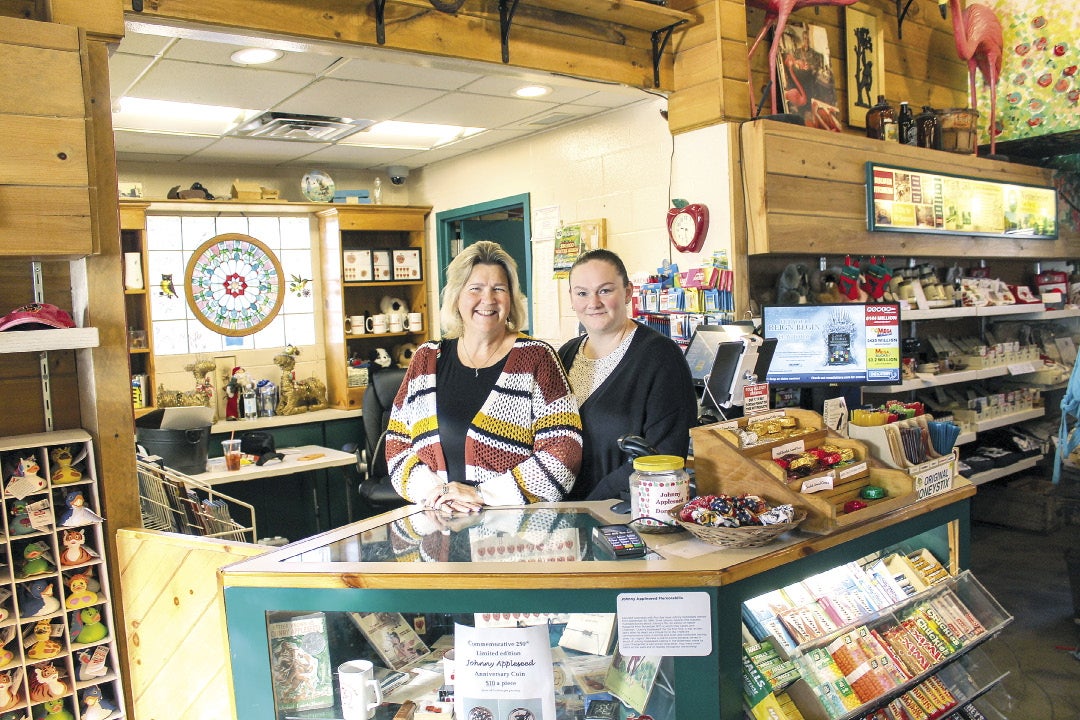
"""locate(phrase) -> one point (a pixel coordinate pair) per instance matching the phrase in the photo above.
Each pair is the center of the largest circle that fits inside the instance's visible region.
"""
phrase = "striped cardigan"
(523, 446)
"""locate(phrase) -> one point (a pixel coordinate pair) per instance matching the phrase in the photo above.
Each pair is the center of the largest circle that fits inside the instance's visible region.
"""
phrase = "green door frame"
(444, 230)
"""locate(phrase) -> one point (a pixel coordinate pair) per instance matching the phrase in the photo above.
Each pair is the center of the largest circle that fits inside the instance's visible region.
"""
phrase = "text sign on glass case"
(907, 200)
(665, 623)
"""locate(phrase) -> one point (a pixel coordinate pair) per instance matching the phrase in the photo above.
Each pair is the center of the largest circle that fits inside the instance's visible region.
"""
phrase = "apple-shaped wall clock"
(687, 225)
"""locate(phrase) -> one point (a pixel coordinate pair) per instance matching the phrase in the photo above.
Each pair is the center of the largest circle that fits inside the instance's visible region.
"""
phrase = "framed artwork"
(807, 83)
(865, 51)
(234, 284)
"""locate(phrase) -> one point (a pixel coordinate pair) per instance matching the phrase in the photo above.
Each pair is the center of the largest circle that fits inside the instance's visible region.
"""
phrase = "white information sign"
(503, 673)
(665, 623)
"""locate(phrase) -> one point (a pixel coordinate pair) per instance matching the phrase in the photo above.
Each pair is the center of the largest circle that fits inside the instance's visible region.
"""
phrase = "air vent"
(302, 128)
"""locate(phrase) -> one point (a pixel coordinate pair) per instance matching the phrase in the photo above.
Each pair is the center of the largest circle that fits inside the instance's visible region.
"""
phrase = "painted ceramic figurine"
(36, 559)
(64, 473)
(25, 480)
(37, 598)
(74, 552)
(86, 626)
(92, 663)
(44, 646)
(79, 595)
(95, 706)
(55, 710)
(46, 683)
(78, 513)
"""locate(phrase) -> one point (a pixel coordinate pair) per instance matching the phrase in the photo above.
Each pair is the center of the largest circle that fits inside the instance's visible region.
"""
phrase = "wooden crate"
(1026, 503)
(721, 466)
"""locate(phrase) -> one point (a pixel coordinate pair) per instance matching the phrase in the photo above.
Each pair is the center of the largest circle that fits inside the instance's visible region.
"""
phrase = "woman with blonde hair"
(485, 415)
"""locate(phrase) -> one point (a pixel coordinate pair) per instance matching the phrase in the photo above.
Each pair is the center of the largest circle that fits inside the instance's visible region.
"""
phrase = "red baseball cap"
(36, 316)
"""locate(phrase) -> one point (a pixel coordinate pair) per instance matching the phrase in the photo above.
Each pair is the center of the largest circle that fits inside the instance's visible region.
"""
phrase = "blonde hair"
(484, 252)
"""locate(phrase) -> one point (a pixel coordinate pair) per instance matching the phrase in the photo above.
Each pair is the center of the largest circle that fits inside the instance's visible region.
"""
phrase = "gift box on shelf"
(722, 465)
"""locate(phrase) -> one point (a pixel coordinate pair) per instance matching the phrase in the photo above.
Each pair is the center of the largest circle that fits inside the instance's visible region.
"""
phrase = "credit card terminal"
(618, 542)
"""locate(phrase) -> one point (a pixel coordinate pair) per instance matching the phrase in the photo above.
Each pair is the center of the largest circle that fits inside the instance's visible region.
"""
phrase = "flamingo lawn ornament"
(979, 41)
(777, 13)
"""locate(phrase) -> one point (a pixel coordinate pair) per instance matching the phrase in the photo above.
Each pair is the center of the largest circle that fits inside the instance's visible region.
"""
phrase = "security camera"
(397, 174)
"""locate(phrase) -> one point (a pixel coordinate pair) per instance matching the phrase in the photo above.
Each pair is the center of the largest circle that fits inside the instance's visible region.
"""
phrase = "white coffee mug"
(360, 694)
(356, 324)
(395, 326)
(377, 324)
(414, 322)
(395, 318)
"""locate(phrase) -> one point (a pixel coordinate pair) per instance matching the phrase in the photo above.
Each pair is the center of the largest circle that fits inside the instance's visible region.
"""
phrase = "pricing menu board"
(905, 200)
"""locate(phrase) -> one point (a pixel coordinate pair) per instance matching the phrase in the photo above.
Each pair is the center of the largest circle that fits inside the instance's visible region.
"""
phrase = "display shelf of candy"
(758, 433)
(885, 657)
(721, 466)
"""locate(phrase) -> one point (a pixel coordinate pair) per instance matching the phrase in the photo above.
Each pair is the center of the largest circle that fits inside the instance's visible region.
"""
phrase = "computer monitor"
(723, 359)
(840, 344)
(701, 352)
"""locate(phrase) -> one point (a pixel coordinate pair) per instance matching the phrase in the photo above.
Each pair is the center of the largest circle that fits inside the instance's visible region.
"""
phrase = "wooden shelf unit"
(137, 301)
(362, 227)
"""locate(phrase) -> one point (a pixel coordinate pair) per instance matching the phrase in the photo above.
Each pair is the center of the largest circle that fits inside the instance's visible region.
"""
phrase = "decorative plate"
(317, 186)
(234, 284)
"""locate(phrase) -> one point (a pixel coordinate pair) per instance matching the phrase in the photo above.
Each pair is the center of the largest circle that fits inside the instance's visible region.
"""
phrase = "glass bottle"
(657, 485)
(926, 129)
(250, 408)
(906, 126)
(880, 121)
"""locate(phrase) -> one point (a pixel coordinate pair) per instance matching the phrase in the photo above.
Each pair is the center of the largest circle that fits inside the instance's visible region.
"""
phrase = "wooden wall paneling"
(789, 169)
(539, 40)
(42, 150)
(162, 612)
(101, 17)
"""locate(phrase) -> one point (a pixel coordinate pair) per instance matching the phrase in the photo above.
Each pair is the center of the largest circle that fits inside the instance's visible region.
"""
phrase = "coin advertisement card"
(503, 674)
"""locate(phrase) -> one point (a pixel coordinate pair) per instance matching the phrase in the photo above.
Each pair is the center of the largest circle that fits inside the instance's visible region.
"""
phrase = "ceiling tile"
(143, 44)
(131, 141)
(215, 53)
(476, 110)
(353, 99)
(239, 87)
(266, 152)
(407, 75)
(355, 157)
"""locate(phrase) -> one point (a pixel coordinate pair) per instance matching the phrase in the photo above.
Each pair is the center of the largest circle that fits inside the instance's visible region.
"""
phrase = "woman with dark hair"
(485, 415)
(628, 378)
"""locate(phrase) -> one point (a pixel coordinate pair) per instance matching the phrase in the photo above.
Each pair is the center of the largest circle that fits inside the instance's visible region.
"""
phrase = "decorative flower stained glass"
(234, 284)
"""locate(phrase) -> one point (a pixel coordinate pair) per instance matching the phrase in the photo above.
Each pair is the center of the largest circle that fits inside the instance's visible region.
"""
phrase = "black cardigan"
(650, 393)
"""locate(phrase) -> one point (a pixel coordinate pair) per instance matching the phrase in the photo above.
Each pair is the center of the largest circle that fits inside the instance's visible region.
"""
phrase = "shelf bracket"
(380, 21)
(507, 8)
(901, 12)
(38, 282)
(660, 40)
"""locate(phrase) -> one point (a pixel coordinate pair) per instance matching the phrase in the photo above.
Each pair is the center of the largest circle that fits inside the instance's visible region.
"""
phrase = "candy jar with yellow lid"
(658, 484)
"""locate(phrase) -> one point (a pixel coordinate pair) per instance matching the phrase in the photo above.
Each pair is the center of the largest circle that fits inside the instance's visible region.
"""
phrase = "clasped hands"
(455, 498)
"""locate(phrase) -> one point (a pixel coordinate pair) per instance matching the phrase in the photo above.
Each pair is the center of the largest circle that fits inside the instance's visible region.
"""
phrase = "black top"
(649, 393)
(460, 392)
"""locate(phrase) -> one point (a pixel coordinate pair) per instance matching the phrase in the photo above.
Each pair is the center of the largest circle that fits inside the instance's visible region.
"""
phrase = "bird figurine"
(20, 524)
(43, 647)
(168, 289)
(96, 706)
(979, 43)
(25, 479)
(77, 512)
(79, 595)
(777, 13)
(55, 710)
(86, 626)
(64, 473)
(36, 559)
(6, 656)
(37, 598)
(92, 663)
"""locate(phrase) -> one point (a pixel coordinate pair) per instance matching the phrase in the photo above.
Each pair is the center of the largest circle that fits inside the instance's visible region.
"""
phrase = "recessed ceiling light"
(255, 56)
(531, 91)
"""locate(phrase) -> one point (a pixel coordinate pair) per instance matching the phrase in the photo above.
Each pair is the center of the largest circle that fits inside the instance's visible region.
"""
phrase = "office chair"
(375, 488)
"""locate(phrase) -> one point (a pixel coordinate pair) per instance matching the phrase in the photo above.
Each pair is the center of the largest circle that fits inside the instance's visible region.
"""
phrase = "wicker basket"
(747, 536)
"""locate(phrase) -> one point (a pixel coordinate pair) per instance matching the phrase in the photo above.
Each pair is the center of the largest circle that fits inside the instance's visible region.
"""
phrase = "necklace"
(469, 357)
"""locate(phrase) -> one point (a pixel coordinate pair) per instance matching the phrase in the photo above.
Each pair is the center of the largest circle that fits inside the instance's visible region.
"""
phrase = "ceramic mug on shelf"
(414, 322)
(360, 694)
(395, 324)
(355, 324)
(377, 324)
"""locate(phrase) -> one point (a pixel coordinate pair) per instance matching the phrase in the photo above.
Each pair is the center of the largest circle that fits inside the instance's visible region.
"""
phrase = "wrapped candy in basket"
(736, 521)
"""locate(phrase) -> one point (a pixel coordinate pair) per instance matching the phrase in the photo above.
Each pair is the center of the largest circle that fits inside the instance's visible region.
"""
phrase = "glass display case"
(659, 635)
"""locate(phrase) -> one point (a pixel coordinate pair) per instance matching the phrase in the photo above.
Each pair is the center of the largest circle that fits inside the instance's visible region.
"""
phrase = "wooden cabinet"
(351, 235)
(46, 141)
(140, 336)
